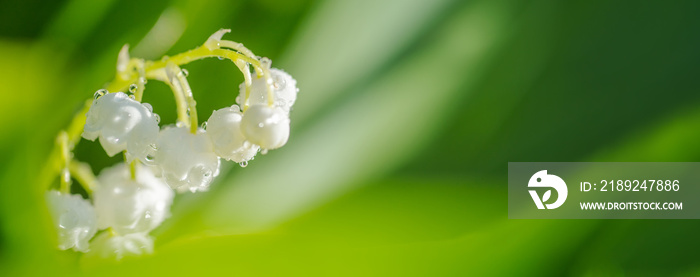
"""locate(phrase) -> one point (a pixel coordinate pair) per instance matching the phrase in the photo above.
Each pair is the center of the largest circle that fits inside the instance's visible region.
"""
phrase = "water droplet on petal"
(133, 88)
(100, 93)
(263, 151)
(278, 82)
(185, 72)
(221, 58)
(243, 164)
(157, 117)
(148, 106)
(204, 125)
(132, 97)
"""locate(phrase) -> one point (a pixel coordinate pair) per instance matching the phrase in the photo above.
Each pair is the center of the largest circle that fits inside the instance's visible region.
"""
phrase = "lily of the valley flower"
(266, 126)
(224, 131)
(74, 219)
(187, 161)
(121, 123)
(284, 90)
(108, 245)
(131, 206)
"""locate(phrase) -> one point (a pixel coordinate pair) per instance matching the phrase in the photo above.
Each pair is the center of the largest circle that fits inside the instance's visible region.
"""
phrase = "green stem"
(62, 142)
(151, 70)
(132, 169)
(83, 173)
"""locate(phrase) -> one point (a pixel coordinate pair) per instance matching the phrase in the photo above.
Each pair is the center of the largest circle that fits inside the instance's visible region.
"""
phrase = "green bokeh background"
(408, 113)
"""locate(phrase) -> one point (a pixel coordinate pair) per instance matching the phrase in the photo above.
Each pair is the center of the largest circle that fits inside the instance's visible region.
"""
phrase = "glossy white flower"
(131, 206)
(187, 161)
(74, 219)
(107, 245)
(224, 131)
(265, 126)
(285, 90)
(121, 123)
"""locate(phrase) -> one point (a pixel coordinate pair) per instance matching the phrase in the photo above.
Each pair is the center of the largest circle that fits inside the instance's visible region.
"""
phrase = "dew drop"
(179, 124)
(204, 125)
(132, 97)
(265, 62)
(65, 174)
(185, 72)
(261, 125)
(153, 146)
(243, 164)
(133, 88)
(221, 58)
(148, 107)
(150, 158)
(263, 151)
(279, 82)
(100, 93)
(157, 117)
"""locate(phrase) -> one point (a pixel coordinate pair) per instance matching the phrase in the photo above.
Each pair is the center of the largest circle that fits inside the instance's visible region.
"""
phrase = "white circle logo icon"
(541, 180)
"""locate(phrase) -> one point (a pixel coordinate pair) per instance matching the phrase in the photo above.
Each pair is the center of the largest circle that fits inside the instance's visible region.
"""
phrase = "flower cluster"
(130, 199)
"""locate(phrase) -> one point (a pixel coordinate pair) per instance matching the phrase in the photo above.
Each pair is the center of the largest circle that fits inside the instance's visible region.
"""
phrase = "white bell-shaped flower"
(121, 123)
(131, 206)
(224, 131)
(265, 126)
(74, 218)
(187, 161)
(285, 90)
(108, 245)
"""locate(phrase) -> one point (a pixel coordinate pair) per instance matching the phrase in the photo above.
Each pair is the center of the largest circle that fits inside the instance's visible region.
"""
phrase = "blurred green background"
(408, 113)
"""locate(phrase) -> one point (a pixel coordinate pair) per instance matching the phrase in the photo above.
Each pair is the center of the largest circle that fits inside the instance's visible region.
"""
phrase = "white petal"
(187, 161)
(131, 206)
(224, 131)
(265, 126)
(285, 90)
(107, 245)
(122, 124)
(74, 218)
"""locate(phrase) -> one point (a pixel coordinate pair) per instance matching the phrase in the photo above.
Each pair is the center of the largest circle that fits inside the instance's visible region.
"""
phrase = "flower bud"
(74, 219)
(284, 90)
(187, 161)
(131, 206)
(121, 123)
(224, 131)
(265, 126)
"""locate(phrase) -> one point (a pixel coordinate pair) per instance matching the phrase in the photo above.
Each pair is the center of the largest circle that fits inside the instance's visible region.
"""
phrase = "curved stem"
(154, 70)
(83, 173)
(171, 72)
(141, 80)
(132, 169)
(62, 141)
